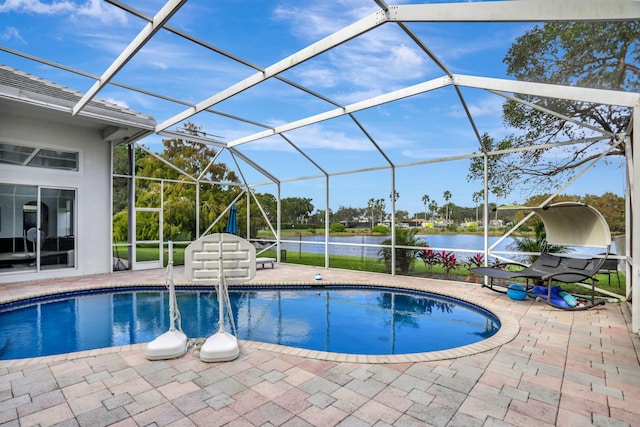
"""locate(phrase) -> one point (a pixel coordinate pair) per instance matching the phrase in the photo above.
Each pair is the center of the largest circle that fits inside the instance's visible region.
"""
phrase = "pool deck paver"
(557, 368)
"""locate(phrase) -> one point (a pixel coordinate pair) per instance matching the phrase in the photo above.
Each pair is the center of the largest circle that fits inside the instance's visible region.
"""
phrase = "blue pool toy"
(542, 292)
(517, 292)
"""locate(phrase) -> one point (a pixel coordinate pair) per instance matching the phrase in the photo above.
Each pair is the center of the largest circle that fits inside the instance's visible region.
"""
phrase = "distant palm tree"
(433, 206)
(447, 196)
(476, 198)
(425, 200)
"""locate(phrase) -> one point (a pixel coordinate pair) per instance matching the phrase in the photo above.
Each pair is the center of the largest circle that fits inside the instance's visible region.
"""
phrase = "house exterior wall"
(92, 183)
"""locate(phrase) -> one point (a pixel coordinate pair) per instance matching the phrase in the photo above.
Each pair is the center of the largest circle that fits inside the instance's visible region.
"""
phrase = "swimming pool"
(340, 319)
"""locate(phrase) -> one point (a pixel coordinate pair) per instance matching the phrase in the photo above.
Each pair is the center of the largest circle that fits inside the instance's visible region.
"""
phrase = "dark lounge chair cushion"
(577, 263)
(549, 261)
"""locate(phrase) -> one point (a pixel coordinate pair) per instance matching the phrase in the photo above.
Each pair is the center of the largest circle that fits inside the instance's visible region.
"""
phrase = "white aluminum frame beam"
(348, 109)
(599, 96)
(315, 49)
(518, 11)
(571, 93)
(167, 11)
(217, 50)
(254, 165)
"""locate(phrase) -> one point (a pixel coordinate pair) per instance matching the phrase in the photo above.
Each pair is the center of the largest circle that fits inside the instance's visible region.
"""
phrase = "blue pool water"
(336, 319)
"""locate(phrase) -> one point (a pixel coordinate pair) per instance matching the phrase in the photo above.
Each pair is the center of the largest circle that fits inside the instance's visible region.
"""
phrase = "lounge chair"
(609, 267)
(566, 224)
(264, 261)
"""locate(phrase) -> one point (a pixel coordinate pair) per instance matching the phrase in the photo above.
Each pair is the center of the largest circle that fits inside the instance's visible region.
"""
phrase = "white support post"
(278, 223)
(112, 260)
(393, 221)
(197, 209)
(627, 217)
(485, 208)
(132, 207)
(248, 213)
(326, 224)
(634, 277)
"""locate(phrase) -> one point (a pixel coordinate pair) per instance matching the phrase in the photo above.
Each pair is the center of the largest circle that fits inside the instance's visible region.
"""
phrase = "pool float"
(557, 294)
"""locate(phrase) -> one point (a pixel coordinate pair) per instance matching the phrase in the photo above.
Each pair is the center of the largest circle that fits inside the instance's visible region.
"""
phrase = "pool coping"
(509, 326)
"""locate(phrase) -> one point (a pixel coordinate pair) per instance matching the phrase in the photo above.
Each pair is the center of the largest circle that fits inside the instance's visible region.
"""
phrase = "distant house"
(418, 223)
(55, 177)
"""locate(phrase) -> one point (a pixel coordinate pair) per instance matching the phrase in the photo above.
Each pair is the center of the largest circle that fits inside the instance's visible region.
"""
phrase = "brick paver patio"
(558, 368)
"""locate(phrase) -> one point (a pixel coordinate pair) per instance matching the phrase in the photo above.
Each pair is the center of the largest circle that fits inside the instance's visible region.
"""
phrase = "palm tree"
(371, 207)
(447, 196)
(425, 200)
(405, 258)
(433, 206)
(477, 197)
(535, 244)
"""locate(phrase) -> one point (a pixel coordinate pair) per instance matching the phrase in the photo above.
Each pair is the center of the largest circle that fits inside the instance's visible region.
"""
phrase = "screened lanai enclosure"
(339, 103)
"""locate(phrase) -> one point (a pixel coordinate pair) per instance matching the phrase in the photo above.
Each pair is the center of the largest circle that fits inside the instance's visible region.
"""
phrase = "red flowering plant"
(448, 261)
(429, 257)
(476, 261)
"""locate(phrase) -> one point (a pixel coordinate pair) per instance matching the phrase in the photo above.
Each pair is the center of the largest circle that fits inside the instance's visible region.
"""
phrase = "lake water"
(463, 245)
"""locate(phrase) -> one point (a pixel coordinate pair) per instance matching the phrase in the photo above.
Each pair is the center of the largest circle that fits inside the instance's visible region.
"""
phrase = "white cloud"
(490, 106)
(37, 7)
(312, 137)
(314, 20)
(94, 9)
(159, 64)
(11, 33)
(118, 102)
(372, 65)
(353, 96)
(323, 77)
(381, 60)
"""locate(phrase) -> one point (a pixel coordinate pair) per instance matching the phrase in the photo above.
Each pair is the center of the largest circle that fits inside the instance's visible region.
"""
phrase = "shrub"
(381, 229)
(337, 227)
(476, 261)
(405, 258)
(448, 261)
(429, 257)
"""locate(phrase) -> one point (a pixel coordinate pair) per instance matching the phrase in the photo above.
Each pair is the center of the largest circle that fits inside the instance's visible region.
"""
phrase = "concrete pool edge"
(509, 327)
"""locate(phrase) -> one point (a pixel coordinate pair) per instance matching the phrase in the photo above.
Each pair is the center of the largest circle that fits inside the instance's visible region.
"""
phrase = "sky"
(88, 35)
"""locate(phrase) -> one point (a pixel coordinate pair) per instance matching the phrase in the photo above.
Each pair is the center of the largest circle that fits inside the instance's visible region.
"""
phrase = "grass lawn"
(374, 265)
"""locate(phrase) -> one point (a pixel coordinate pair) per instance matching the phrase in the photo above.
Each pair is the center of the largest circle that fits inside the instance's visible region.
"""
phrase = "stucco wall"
(91, 182)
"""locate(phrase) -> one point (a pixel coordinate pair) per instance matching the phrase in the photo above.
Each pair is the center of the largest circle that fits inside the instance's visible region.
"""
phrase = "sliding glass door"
(37, 228)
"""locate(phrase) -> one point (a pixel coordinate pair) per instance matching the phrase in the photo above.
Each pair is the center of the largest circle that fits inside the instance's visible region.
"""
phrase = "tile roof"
(22, 87)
